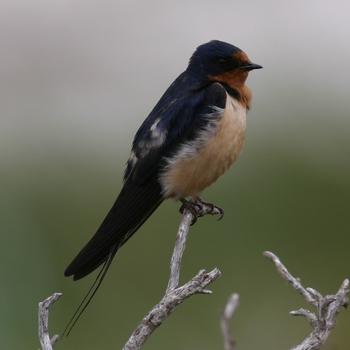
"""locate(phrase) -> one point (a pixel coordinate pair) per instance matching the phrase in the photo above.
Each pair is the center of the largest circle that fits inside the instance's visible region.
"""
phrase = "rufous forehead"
(241, 56)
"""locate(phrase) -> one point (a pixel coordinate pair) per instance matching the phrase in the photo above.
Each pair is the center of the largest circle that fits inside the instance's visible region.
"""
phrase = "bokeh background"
(77, 78)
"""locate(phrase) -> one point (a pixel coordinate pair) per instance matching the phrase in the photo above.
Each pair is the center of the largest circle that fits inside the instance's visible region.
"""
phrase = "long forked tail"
(133, 206)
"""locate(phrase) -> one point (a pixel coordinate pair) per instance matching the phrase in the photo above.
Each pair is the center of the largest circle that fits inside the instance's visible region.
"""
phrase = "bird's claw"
(221, 213)
(213, 209)
(199, 208)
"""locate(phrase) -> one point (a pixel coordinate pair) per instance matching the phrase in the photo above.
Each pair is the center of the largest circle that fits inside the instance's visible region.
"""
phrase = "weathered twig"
(46, 342)
(230, 309)
(174, 294)
(327, 307)
(180, 244)
(179, 249)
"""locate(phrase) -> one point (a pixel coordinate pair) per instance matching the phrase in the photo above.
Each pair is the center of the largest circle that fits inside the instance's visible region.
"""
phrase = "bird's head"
(222, 62)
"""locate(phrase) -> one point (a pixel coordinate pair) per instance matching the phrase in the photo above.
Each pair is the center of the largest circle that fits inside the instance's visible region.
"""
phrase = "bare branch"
(309, 297)
(327, 307)
(167, 305)
(230, 309)
(174, 294)
(43, 314)
(322, 320)
(179, 249)
(181, 238)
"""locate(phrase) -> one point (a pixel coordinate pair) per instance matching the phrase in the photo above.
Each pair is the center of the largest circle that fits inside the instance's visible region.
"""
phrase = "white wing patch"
(154, 125)
(132, 159)
(156, 139)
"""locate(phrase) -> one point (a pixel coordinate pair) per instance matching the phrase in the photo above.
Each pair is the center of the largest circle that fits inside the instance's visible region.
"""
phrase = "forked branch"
(327, 307)
(322, 320)
(174, 295)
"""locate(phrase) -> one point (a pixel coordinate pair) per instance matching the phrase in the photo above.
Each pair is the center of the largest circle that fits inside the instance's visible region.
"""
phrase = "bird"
(193, 135)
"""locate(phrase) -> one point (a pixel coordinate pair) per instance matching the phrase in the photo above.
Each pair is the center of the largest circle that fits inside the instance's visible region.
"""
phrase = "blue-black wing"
(181, 114)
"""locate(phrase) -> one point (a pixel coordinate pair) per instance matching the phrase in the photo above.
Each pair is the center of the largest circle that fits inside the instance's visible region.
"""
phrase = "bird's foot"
(211, 208)
(199, 208)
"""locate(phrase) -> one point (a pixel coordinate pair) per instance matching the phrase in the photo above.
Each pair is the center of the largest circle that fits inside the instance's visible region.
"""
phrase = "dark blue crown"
(208, 56)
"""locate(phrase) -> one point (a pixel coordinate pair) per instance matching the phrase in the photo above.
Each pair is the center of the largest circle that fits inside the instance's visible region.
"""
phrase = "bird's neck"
(234, 82)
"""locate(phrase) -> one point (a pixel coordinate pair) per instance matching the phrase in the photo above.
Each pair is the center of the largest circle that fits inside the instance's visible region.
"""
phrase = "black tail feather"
(89, 295)
(133, 206)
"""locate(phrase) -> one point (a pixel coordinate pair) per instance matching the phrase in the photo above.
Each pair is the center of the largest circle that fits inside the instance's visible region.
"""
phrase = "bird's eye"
(222, 60)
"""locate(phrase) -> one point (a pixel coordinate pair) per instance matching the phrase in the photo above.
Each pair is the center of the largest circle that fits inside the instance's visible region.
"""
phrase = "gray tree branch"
(230, 309)
(322, 320)
(180, 244)
(174, 295)
(46, 342)
(327, 307)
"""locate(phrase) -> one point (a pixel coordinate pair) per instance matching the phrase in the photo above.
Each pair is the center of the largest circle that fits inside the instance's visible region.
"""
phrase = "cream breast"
(199, 163)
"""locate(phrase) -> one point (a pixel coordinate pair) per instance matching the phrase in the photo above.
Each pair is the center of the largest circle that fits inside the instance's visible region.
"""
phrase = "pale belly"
(190, 172)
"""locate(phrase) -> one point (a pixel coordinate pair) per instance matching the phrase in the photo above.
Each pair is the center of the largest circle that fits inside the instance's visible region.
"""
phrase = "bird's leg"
(213, 209)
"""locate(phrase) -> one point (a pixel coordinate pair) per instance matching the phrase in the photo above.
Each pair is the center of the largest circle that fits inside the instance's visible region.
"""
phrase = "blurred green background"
(78, 77)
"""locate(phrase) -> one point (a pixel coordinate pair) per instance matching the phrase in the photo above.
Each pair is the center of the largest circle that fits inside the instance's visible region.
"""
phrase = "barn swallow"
(191, 137)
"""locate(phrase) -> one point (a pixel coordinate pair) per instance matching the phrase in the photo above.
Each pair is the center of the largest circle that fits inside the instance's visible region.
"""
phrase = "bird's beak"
(250, 66)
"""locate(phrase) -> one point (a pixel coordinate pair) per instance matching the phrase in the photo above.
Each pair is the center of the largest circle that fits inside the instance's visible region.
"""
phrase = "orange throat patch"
(235, 79)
